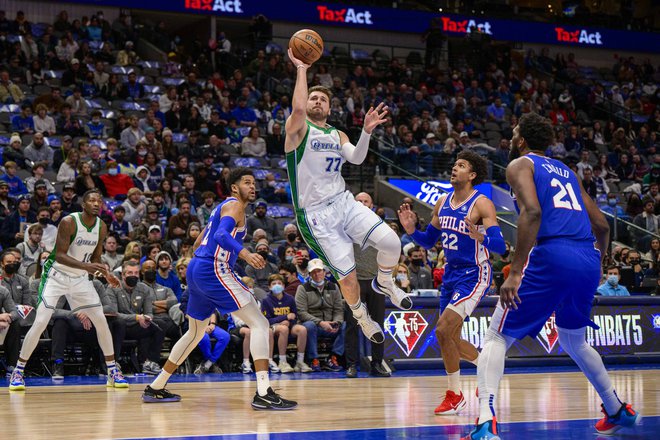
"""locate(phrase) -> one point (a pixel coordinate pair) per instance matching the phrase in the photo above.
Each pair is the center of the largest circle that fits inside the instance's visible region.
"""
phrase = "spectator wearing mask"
(133, 303)
(165, 276)
(49, 235)
(420, 276)
(321, 310)
(163, 300)
(260, 220)
(262, 276)
(611, 286)
(292, 240)
(116, 184)
(281, 312)
(10, 323)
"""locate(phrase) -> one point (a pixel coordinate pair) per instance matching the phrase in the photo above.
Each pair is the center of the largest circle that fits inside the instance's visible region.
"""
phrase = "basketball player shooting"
(77, 255)
(329, 218)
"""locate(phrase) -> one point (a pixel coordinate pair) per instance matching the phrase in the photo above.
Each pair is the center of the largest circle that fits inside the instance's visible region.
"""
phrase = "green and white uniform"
(58, 279)
(329, 218)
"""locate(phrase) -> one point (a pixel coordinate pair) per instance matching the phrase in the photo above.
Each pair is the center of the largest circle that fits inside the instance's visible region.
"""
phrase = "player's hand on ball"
(509, 291)
(375, 117)
(473, 232)
(296, 62)
(255, 260)
(95, 268)
(407, 217)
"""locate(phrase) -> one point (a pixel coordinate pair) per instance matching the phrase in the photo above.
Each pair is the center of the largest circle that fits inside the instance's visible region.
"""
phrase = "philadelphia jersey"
(563, 214)
(314, 167)
(210, 249)
(459, 248)
(83, 244)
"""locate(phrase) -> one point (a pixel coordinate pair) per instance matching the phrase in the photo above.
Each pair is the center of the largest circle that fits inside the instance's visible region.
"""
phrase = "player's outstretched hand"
(375, 117)
(255, 260)
(296, 62)
(509, 291)
(96, 268)
(113, 281)
(473, 232)
(407, 217)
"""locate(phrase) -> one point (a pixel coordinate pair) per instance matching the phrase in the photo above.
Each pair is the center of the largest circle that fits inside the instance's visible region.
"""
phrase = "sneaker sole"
(271, 408)
(17, 388)
(147, 399)
(453, 412)
(617, 428)
(117, 385)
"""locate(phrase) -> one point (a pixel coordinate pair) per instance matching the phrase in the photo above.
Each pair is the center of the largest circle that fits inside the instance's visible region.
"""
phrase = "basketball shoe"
(16, 382)
(285, 367)
(398, 297)
(370, 328)
(483, 431)
(624, 418)
(116, 379)
(272, 401)
(302, 367)
(156, 396)
(452, 405)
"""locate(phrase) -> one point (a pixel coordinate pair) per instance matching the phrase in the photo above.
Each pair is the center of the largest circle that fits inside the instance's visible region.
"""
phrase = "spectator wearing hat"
(55, 207)
(142, 180)
(7, 204)
(165, 276)
(215, 126)
(38, 170)
(464, 141)
(12, 230)
(75, 75)
(78, 104)
(23, 122)
(116, 184)
(144, 231)
(259, 220)
(321, 310)
(136, 208)
(119, 225)
(245, 116)
(430, 150)
(260, 276)
(14, 151)
(69, 199)
(39, 196)
(39, 151)
(16, 185)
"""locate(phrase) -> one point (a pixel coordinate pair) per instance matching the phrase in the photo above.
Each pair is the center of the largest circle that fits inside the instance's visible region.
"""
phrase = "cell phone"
(334, 324)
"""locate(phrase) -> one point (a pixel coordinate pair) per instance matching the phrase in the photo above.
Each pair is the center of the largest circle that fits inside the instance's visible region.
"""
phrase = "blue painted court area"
(565, 430)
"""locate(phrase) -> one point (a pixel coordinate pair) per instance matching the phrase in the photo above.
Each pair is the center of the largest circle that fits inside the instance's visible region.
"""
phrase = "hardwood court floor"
(397, 407)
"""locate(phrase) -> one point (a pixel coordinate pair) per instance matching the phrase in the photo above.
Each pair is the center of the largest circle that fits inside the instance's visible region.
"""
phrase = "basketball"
(307, 45)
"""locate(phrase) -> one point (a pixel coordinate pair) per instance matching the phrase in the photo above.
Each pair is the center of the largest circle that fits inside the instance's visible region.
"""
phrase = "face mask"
(613, 279)
(303, 264)
(131, 281)
(263, 254)
(417, 262)
(44, 221)
(204, 130)
(149, 276)
(113, 171)
(142, 153)
(401, 277)
(634, 262)
(291, 237)
(289, 258)
(317, 283)
(277, 289)
(12, 268)
(611, 202)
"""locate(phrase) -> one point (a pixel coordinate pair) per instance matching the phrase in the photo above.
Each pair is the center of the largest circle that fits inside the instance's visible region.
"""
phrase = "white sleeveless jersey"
(314, 167)
(83, 244)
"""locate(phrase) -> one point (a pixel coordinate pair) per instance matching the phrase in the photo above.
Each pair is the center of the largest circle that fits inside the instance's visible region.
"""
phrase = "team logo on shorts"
(656, 322)
(548, 336)
(406, 328)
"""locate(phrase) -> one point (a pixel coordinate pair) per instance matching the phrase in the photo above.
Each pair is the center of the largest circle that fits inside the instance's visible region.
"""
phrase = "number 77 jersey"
(563, 214)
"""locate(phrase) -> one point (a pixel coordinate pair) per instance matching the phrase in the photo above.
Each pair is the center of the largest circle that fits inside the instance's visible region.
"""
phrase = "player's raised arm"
(231, 214)
(295, 125)
(599, 225)
(356, 154)
(428, 238)
(65, 232)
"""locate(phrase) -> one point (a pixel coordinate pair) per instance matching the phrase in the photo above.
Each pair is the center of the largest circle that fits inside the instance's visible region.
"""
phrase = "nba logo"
(406, 328)
(548, 336)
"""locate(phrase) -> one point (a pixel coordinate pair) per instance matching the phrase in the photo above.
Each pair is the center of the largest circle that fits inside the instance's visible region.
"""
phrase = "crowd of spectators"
(81, 110)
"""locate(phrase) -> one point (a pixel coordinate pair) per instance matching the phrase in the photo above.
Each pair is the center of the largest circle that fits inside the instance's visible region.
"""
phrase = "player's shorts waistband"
(66, 275)
(324, 204)
(561, 241)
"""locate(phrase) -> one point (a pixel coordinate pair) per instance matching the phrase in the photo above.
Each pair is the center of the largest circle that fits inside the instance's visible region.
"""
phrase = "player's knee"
(572, 341)
(389, 248)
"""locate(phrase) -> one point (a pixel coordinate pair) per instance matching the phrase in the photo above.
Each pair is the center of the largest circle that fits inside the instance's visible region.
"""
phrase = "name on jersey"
(453, 223)
(552, 169)
(82, 242)
(325, 146)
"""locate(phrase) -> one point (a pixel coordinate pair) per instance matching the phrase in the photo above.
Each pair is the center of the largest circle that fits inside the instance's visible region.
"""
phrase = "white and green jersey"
(314, 167)
(83, 243)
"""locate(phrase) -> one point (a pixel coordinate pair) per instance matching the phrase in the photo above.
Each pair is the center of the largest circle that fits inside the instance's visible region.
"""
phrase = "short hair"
(42, 107)
(612, 267)
(536, 130)
(275, 277)
(89, 193)
(414, 249)
(477, 163)
(326, 91)
(289, 267)
(207, 194)
(42, 209)
(129, 263)
(237, 174)
(35, 228)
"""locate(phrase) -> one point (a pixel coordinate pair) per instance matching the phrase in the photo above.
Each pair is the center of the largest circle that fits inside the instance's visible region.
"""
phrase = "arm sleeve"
(428, 238)
(494, 241)
(223, 235)
(356, 154)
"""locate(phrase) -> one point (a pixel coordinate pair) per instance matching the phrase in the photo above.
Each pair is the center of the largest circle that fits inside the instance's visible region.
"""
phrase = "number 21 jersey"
(563, 214)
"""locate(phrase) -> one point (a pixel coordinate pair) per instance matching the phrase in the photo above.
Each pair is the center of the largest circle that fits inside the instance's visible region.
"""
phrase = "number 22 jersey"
(459, 248)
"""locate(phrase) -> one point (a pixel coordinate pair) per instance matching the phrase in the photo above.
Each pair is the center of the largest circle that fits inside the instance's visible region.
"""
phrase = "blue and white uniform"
(562, 270)
(468, 272)
(212, 282)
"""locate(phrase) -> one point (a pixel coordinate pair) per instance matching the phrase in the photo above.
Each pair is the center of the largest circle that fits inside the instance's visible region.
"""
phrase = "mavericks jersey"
(83, 244)
(210, 249)
(460, 249)
(563, 214)
(314, 167)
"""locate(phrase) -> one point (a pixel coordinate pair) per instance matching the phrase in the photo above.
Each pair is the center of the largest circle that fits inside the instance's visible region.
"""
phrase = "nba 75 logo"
(406, 328)
(548, 335)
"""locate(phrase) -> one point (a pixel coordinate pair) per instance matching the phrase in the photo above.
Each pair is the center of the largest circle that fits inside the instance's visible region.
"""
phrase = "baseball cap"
(464, 134)
(262, 242)
(162, 254)
(75, 61)
(314, 264)
(69, 185)
(40, 184)
(52, 198)
(67, 138)
(3, 183)
(260, 202)
(155, 228)
(152, 208)
(430, 136)
(23, 197)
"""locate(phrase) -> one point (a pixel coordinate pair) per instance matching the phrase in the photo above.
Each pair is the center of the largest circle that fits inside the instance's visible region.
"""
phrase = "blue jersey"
(563, 214)
(459, 248)
(211, 249)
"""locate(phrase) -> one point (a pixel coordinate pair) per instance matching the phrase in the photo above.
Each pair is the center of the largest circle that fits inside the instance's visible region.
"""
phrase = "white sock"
(110, 365)
(20, 366)
(359, 310)
(490, 371)
(384, 277)
(208, 364)
(300, 358)
(262, 382)
(270, 361)
(246, 361)
(453, 379)
(161, 380)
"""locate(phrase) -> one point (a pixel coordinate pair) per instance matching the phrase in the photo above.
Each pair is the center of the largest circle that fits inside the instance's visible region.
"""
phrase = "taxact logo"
(231, 6)
(464, 26)
(345, 15)
(579, 36)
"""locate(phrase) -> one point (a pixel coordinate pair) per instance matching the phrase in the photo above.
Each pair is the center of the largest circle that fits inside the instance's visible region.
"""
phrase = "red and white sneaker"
(626, 417)
(452, 405)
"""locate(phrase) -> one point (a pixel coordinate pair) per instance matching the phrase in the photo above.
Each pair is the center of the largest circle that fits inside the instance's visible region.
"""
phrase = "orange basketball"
(307, 45)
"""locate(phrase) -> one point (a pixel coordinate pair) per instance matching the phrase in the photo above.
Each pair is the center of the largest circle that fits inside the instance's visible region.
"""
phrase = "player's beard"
(317, 114)
(514, 153)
